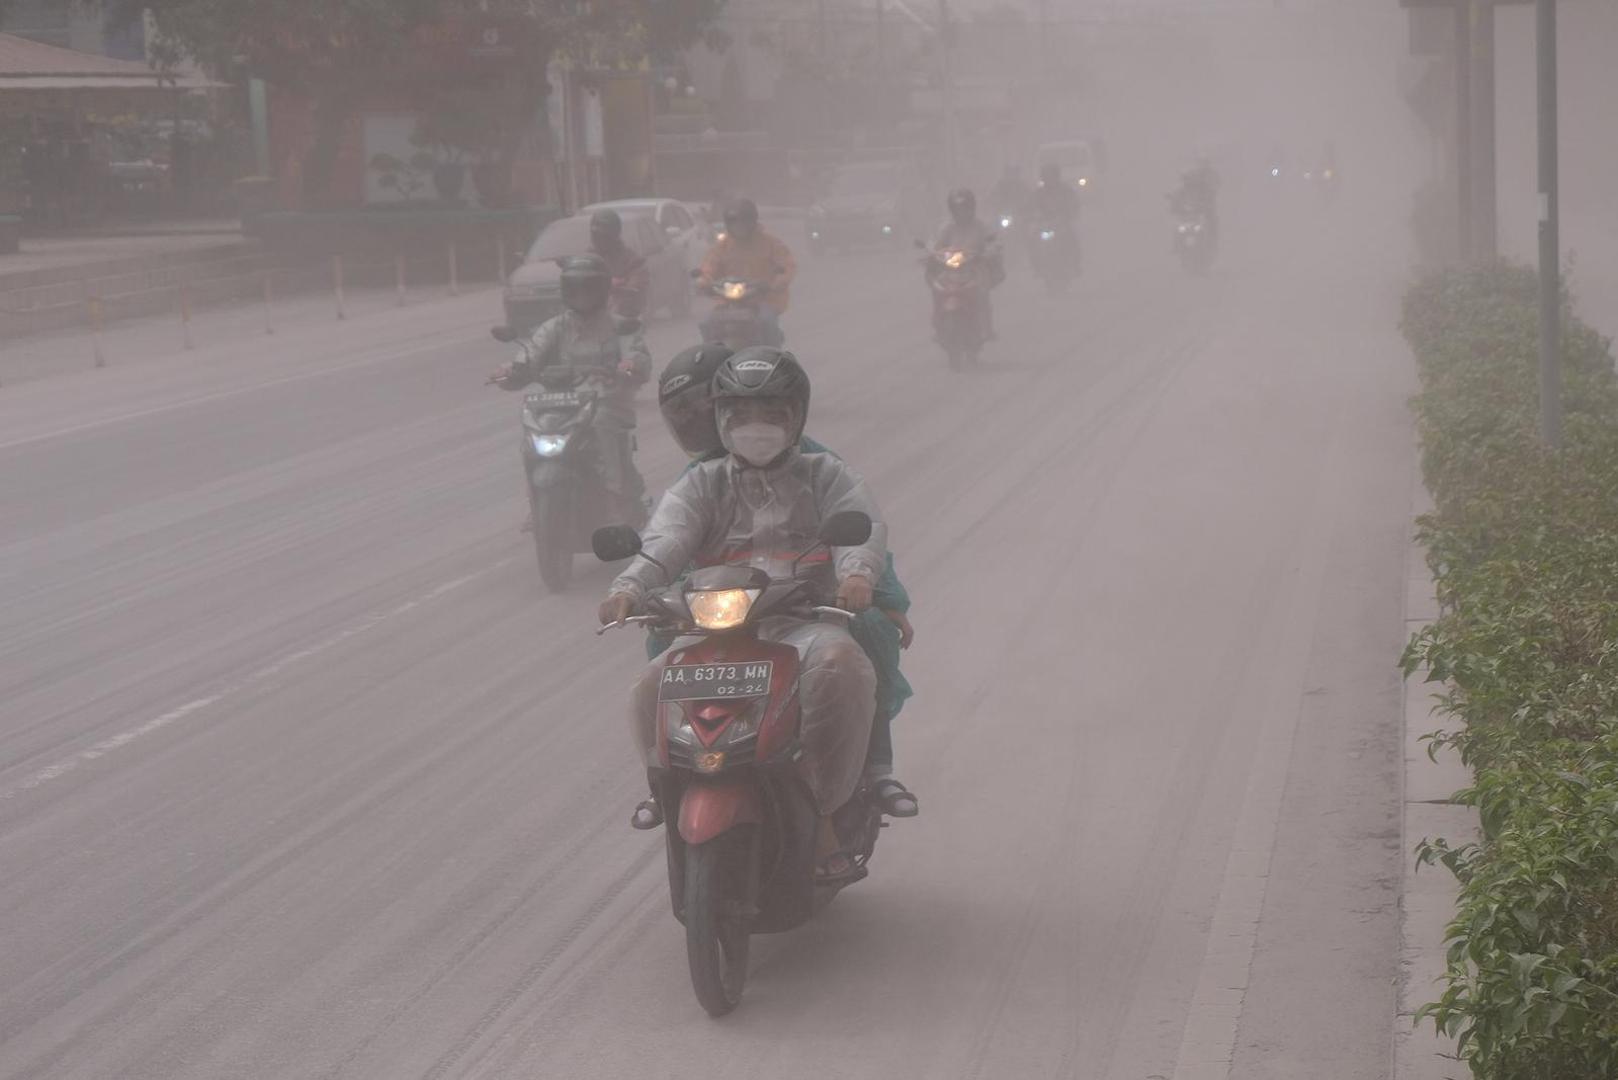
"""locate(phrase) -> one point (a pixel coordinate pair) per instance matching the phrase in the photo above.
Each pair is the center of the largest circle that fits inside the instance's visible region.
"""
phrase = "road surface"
(302, 774)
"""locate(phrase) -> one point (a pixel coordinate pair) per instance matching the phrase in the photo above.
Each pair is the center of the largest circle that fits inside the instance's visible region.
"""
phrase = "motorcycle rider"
(761, 505)
(1056, 206)
(631, 280)
(1011, 194)
(1198, 194)
(746, 251)
(883, 631)
(963, 230)
(587, 334)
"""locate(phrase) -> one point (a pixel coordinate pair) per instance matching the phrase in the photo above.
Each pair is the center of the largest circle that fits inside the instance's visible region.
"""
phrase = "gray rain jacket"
(724, 512)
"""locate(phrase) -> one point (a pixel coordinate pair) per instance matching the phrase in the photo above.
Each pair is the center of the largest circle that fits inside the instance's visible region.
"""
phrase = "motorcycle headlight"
(733, 290)
(1047, 235)
(548, 445)
(814, 234)
(1005, 223)
(955, 260)
(887, 230)
(1185, 228)
(721, 609)
(1084, 181)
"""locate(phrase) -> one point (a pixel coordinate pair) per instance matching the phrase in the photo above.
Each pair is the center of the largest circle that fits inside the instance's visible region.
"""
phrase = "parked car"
(533, 293)
(871, 203)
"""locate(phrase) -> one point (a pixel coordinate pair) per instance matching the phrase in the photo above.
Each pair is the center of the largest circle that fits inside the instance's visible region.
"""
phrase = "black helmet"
(963, 205)
(741, 215)
(685, 394)
(763, 373)
(586, 283)
(606, 227)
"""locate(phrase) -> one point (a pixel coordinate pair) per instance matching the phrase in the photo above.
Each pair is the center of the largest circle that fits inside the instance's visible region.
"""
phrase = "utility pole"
(1044, 61)
(1483, 227)
(946, 49)
(1550, 258)
(1463, 129)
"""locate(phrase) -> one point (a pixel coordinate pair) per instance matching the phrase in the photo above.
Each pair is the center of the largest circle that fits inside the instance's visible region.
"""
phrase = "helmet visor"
(778, 411)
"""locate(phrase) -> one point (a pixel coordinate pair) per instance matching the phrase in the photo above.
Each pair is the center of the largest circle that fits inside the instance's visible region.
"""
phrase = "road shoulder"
(1427, 896)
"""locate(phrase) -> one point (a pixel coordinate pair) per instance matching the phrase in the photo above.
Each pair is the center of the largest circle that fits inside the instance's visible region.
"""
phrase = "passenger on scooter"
(747, 252)
(588, 335)
(762, 505)
(964, 231)
(631, 280)
(883, 631)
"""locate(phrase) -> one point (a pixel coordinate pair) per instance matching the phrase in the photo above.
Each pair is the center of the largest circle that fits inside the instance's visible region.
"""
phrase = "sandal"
(648, 815)
(894, 798)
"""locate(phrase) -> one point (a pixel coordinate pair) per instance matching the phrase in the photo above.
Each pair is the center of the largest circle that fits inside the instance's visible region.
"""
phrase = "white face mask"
(757, 444)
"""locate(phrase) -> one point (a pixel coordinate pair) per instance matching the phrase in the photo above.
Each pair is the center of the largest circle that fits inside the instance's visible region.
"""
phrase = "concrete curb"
(1426, 898)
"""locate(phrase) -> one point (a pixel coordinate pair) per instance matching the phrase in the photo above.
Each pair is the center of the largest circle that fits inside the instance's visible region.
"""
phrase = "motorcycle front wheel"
(553, 537)
(716, 930)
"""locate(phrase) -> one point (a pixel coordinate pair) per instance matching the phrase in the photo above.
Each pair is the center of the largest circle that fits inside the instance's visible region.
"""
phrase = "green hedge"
(1524, 545)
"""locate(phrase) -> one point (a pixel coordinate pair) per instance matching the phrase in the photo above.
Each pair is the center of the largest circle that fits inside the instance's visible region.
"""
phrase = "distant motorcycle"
(960, 289)
(736, 319)
(1055, 255)
(1195, 242)
(561, 458)
(741, 822)
(1325, 183)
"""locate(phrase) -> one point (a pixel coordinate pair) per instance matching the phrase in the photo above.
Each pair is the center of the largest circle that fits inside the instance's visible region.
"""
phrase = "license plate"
(556, 399)
(706, 682)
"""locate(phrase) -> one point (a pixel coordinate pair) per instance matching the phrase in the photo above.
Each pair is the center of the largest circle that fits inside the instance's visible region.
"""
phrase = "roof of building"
(33, 65)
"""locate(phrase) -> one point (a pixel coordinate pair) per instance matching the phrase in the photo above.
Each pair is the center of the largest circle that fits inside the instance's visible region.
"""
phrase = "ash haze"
(305, 773)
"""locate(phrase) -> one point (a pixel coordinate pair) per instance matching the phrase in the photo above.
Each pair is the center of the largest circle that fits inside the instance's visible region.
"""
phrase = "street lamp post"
(1550, 269)
(1550, 261)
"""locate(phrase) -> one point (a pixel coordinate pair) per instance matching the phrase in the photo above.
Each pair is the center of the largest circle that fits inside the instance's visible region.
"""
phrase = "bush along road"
(1523, 544)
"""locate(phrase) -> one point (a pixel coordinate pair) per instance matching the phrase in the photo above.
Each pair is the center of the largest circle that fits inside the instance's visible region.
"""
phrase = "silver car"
(533, 292)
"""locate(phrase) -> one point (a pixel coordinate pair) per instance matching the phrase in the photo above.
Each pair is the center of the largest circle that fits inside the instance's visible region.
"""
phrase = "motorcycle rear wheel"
(553, 548)
(716, 932)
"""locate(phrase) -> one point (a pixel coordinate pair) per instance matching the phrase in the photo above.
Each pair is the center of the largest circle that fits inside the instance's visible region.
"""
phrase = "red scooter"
(742, 823)
(959, 293)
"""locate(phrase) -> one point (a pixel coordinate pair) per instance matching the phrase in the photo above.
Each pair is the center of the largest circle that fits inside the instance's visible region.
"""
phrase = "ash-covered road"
(302, 774)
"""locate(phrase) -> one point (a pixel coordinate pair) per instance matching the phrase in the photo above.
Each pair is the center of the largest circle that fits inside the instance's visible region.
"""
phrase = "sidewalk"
(1426, 897)
(54, 253)
(276, 326)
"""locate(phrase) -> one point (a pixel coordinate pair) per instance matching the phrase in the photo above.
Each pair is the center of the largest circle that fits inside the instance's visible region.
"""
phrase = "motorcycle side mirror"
(846, 528)
(615, 543)
(503, 333)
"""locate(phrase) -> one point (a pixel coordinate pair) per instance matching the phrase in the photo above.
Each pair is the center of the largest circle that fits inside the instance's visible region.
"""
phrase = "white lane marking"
(157, 723)
(221, 395)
